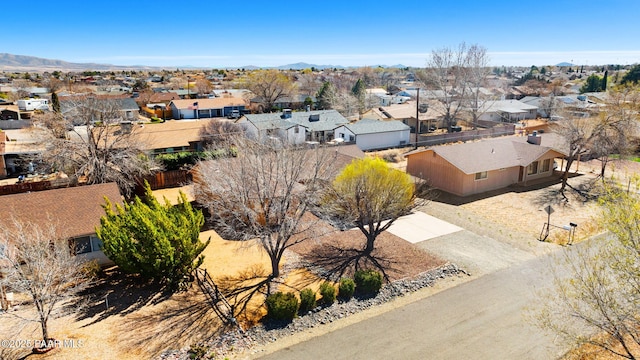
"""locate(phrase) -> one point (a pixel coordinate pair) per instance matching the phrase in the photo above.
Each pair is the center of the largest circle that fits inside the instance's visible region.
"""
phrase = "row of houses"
(460, 169)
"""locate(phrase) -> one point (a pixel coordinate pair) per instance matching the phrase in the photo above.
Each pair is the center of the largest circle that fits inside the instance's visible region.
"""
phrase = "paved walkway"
(419, 226)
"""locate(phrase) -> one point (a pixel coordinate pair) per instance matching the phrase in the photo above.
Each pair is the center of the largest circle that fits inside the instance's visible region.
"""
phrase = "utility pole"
(417, 117)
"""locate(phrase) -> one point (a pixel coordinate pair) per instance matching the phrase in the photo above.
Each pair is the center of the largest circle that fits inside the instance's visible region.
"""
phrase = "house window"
(532, 169)
(546, 163)
(481, 175)
(352, 138)
(87, 244)
(297, 129)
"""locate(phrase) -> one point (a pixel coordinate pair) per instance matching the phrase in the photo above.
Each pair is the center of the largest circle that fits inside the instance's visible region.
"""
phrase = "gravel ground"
(235, 341)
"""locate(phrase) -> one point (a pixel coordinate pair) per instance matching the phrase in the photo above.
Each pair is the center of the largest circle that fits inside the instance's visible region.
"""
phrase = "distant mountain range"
(10, 62)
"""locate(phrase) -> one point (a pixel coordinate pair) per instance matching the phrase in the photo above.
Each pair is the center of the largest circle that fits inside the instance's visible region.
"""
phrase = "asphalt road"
(480, 319)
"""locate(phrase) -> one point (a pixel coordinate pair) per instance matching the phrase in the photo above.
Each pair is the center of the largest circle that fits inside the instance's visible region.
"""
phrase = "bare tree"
(98, 147)
(609, 132)
(217, 133)
(204, 86)
(39, 263)
(264, 193)
(308, 84)
(620, 124)
(447, 76)
(579, 133)
(21, 87)
(477, 72)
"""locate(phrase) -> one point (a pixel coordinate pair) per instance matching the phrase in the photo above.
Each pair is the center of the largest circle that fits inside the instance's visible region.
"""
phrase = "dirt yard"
(141, 323)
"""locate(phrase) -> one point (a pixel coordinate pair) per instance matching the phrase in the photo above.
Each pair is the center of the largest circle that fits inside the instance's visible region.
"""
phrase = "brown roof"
(75, 211)
(496, 153)
(172, 133)
(162, 97)
(216, 103)
(408, 110)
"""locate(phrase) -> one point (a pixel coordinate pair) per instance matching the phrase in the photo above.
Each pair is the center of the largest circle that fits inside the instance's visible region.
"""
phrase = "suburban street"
(479, 319)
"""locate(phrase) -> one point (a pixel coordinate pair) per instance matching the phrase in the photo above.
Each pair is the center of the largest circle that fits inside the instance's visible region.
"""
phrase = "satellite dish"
(422, 108)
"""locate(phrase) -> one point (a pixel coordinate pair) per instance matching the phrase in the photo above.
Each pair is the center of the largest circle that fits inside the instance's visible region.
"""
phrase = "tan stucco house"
(470, 168)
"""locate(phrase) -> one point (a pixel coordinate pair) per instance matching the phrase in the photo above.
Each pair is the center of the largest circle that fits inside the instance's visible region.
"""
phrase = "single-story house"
(297, 127)
(171, 136)
(126, 106)
(490, 164)
(206, 108)
(370, 134)
(406, 112)
(75, 211)
(507, 111)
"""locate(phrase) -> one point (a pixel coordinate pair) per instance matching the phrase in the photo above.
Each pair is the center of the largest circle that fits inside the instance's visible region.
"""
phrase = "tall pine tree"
(157, 241)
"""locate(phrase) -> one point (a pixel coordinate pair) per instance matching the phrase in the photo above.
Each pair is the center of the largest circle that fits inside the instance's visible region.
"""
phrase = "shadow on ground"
(116, 293)
(451, 199)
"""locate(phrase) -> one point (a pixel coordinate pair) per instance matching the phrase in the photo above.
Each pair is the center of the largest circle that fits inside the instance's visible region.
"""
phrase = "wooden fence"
(165, 179)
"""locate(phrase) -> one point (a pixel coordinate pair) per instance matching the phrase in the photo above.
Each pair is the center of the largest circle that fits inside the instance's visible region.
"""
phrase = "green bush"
(328, 292)
(282, 306)
(307, 300)
(368, 282)
(346, 288)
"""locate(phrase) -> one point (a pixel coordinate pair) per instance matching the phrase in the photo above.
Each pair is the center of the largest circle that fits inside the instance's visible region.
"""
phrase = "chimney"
(126, 127)
(534, 138)
(308, 108)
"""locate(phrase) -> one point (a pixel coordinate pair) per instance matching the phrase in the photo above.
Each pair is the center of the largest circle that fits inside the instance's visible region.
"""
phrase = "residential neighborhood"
(207, 215)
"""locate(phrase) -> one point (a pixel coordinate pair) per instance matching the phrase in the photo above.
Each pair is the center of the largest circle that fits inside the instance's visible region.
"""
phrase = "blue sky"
(223, 33)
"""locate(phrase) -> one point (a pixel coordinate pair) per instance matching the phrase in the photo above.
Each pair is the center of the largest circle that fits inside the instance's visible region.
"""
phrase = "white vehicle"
(33, 104)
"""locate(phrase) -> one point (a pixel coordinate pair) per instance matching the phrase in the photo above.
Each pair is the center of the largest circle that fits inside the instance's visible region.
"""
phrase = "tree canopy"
(264, 193)
(632, 76)
(157, 241)
(270, 85)
(370, 195)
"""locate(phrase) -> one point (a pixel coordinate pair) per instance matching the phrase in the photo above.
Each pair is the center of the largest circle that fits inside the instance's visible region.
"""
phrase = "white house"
(296, 127)
(507, 111)
(370, 134)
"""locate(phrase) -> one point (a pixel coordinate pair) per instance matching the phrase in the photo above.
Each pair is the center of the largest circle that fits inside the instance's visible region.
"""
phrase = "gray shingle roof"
(328, 120)
(372, 126)
(498, 153)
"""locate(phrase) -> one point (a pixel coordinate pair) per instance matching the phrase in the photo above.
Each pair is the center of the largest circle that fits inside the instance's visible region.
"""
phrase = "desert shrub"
(92, 269)
(391, 157)
(307, 300)
(346, 288)
(368, 282)
(328, 292)
(197, 352)
(282, 306)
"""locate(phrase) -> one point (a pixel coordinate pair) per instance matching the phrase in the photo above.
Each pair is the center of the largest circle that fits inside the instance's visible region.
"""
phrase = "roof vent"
(314, 117)
(286, 113)
(534, 138)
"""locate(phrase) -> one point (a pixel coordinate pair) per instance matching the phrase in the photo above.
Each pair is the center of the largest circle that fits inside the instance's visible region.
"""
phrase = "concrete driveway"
(419, 226)
(476, 254)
